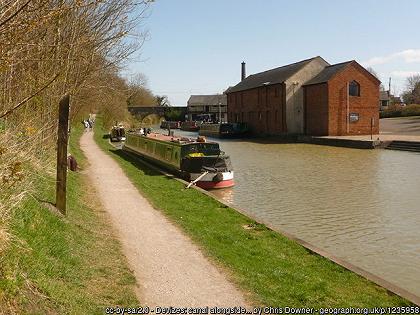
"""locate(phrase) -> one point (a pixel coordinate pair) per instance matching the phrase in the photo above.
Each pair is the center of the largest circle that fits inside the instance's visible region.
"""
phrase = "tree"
(162, 101)
(375, 74)
(48, 49)
(138, 93)
(412, 93)
(173, 114)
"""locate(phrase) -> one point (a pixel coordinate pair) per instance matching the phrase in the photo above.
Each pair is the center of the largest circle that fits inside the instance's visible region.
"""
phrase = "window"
(259, 115)
(354, 88)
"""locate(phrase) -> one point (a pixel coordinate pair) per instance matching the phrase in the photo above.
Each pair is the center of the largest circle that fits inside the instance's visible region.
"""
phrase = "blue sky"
(197, 46)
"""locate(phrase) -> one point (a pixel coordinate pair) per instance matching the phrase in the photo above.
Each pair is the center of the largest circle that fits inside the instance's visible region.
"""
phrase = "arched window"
(354, 88)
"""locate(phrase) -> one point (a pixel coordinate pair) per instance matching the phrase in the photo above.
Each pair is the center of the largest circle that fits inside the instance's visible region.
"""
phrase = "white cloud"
(408, 56)
(404, 74)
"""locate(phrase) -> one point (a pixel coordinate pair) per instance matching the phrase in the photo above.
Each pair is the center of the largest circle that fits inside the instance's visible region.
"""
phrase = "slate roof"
(207, 99)
(328, 72)
(383, 96)
(273, 76)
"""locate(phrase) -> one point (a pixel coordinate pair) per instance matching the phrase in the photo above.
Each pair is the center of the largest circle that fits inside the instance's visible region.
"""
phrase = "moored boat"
(117, 133)
(194, 160)
(190, 126)
(224, 130)
(170, 124)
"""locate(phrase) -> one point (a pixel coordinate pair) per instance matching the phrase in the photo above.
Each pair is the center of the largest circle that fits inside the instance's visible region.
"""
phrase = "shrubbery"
(401, 111)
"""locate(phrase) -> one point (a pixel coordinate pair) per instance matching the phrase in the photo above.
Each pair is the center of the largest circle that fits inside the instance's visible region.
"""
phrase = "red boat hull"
(215, 185)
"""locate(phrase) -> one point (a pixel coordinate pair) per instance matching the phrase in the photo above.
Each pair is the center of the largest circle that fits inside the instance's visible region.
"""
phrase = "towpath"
(170, 269)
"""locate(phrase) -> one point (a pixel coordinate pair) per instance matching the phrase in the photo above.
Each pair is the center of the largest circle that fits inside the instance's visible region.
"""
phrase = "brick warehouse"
(308, 97)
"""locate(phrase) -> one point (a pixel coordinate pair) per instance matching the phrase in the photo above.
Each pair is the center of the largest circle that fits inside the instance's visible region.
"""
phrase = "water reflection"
(361, 205)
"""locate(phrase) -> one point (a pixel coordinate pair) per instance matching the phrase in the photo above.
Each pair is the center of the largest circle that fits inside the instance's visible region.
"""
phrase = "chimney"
(243, 73)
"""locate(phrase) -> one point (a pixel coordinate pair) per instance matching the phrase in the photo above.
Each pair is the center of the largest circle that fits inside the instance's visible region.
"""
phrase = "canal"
(360, 205)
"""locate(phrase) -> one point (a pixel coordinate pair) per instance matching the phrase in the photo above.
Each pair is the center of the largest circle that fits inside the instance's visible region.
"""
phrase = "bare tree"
(375, 74)
(139, 94)
(162, 100)
(411, 95)
(49, 48)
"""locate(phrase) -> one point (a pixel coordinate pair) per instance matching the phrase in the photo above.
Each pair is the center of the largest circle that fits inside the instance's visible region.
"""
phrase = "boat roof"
(176, 139)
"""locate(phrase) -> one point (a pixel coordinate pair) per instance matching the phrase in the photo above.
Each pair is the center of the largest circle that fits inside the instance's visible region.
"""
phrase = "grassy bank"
(70, 265)
(273, 269)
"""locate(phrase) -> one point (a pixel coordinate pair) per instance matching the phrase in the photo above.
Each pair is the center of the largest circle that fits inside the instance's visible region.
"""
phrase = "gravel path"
(170, 270)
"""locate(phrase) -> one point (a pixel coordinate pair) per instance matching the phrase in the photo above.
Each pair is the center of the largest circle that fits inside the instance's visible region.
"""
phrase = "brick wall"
(262, 108)
(366, 105)
(316, 109)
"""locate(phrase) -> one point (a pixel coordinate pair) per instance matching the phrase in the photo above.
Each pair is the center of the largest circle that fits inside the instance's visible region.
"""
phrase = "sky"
(197, 46)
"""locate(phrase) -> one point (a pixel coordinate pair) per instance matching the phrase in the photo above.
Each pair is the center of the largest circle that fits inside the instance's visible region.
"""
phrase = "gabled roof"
(207, 99)
(383, 96)
(328, 72)
(269, 77)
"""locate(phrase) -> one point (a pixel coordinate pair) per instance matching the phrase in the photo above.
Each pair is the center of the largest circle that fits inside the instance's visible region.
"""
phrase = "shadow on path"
(141, 165)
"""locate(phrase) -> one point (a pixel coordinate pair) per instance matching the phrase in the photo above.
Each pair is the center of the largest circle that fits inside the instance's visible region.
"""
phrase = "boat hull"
(216, 185)
(224, 130)
(190, 128)
(209, 181)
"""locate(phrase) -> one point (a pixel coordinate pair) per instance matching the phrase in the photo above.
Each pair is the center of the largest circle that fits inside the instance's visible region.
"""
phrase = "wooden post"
(63, 126)
(372, 123)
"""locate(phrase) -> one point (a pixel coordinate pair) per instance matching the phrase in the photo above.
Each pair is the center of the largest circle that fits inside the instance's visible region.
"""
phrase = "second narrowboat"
(190, 126)
(117, 133)
(170, 124)
(224, 130)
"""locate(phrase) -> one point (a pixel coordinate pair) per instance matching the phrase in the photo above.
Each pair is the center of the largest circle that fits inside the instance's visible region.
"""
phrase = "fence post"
(63, 126)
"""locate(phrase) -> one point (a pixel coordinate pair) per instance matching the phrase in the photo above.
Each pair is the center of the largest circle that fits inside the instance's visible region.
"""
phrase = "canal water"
(360, 205)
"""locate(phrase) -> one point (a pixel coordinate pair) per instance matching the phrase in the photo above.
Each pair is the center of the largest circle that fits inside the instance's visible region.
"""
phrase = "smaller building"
(207, 107)
(384, 100)
(396, 100)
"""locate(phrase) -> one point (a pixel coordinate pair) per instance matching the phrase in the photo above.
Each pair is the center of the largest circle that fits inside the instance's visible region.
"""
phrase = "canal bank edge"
(395, 142)
(347, 265)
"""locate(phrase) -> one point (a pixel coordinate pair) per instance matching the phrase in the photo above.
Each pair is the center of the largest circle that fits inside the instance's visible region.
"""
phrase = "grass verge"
(71, 265)
(273, 269)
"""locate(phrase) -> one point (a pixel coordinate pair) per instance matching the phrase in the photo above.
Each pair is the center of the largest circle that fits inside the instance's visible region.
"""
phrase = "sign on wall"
(354, 117)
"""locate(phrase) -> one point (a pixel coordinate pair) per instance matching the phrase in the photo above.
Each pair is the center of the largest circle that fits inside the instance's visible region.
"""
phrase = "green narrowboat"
(190, 159)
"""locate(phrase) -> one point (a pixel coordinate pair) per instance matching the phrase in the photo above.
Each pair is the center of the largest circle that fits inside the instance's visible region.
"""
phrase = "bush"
(411, 110)
(399, 111)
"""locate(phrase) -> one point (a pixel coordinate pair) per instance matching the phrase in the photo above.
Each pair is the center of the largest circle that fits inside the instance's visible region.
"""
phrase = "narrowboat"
(117, 133)
(194, 160)
(224, 130)
(190, 126)
(170, 124)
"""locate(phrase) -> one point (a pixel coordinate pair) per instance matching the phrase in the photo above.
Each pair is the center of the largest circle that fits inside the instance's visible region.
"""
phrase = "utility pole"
(389, 87)
(62, 140)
